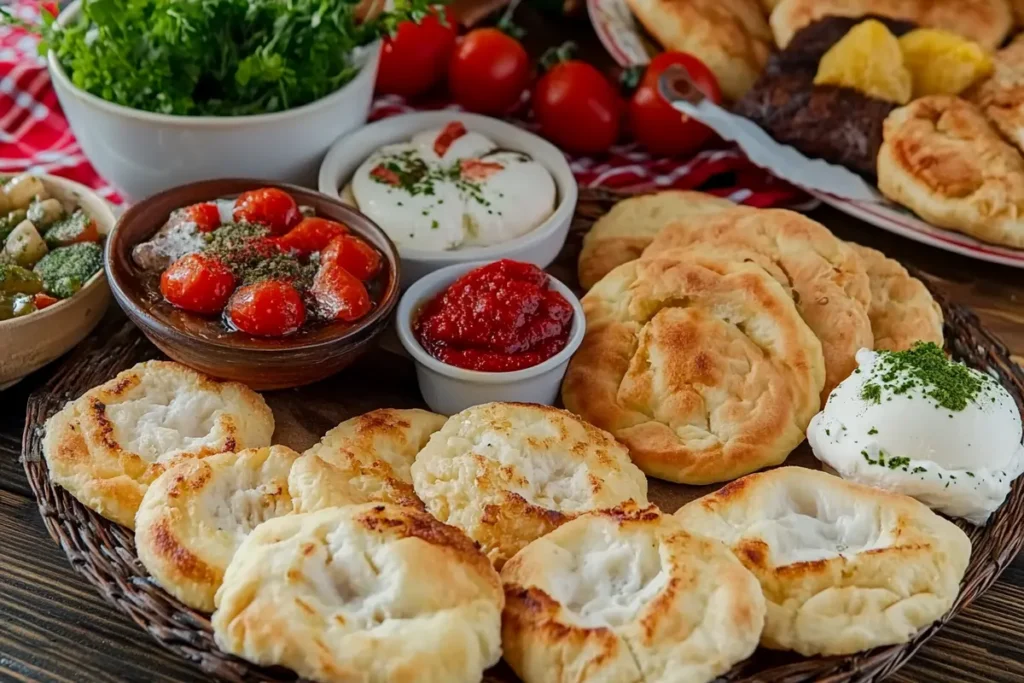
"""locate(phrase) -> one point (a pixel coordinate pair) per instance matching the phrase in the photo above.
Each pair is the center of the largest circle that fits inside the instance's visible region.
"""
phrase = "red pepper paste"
(498, 318)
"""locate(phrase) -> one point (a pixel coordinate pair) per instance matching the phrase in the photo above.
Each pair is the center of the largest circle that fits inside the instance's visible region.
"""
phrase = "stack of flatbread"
(708, 355)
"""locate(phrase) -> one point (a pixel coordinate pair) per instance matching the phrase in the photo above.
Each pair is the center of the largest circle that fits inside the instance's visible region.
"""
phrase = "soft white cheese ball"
(960, 462)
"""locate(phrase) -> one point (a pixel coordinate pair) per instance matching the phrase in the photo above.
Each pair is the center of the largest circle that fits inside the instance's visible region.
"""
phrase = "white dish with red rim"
(540, 246)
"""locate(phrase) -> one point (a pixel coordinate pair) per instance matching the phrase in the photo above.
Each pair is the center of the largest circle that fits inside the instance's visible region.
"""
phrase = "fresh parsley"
(217, 57)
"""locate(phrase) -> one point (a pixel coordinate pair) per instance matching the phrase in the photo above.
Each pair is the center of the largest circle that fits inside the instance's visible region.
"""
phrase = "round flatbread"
(829, 283)
(363, 460)
(107, 447)
(844, 567)
(508, 473)
(627, 595)
(941, 158)
(627, 229)
(375, 593)
(902, 309)
(702, 366)
(196, 514)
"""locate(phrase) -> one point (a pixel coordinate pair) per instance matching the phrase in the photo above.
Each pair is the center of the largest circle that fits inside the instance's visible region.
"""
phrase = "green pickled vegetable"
(16, 305)
(66, 269)
(17, 280)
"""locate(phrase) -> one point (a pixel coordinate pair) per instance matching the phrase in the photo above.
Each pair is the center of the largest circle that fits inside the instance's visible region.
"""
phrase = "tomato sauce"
(498, 318)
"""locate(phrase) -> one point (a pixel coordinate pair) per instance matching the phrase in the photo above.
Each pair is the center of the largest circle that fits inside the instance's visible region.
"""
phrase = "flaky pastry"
(943, 160)
(627, 595)
(364, 459)
(844, 567)
(508, 473)
(106, 447)
(374, 593)
(829, 284)
(196, 514)
(701, 365)
(627, 229)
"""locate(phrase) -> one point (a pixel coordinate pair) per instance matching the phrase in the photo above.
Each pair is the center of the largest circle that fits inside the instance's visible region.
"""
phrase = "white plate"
(896, 219)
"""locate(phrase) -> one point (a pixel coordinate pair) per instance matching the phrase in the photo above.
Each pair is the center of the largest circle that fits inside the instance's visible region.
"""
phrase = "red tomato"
(652, 120)
(197, 283)
(354, 255)
(415, 58)
(311, 234)
(577, 108)
(270, 308)
(339, 294)
(488, 71)
(206, 216)
(268, 206)
(43, 300)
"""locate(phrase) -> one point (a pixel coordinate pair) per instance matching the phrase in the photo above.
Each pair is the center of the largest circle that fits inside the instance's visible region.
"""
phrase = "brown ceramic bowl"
(309, 355)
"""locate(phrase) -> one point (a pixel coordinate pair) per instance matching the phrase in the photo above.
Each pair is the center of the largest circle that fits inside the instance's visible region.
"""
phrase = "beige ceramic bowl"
(29, 343)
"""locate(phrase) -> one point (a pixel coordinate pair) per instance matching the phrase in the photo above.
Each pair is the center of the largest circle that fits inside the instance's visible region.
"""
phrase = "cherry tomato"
(268, 206)
(577, 108)
(197, 283)
(206, 216)
(339, 294)
(488, 72)
(354, 255)
(270, 308)
(311, 234)
(416, 57)
(652, 120)
(43, 300)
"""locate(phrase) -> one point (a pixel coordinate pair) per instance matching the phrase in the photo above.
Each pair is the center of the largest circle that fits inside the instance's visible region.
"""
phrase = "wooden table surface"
(55, 627)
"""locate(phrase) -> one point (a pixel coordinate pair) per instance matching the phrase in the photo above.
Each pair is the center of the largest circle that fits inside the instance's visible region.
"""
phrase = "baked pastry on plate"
(628, 228)
(107, 447)
(902, 309)
(701, 365)
(365, 459)
(943, 160)
(374, 592)
(197, 513)
(829, 284)
(507, 473)
(986, 22)
(844, 567)
(731, 37)
(1001, 95)
(627, 595)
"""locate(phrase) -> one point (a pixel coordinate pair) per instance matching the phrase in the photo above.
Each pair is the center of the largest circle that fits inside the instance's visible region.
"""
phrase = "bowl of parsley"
(165, 92)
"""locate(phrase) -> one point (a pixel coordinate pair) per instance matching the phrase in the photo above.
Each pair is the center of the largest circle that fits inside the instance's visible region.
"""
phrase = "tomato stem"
(556, 55)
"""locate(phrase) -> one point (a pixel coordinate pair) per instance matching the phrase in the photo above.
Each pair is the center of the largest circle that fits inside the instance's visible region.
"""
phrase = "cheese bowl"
(539, 246)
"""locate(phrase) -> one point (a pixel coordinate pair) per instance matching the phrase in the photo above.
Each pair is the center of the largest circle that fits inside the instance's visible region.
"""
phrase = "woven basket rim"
(104, 553)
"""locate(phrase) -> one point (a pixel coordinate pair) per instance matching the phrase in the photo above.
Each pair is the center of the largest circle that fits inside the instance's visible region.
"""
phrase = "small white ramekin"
(448, 389)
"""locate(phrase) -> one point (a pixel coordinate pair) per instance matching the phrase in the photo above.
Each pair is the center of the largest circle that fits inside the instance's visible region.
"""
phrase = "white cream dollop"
(472, 195)
(960, 462)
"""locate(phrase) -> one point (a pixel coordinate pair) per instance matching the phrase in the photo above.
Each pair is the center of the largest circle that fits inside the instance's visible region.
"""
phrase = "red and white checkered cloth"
(35, 137)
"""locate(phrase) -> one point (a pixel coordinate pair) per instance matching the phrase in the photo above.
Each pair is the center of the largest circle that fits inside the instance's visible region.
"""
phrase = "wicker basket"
(104, 553)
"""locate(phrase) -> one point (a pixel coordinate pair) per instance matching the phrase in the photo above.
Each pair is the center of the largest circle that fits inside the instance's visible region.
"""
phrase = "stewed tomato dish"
(501, 317)
(261, 265)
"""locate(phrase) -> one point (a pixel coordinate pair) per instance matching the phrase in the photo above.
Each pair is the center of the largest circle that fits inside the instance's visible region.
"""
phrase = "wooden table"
(55, 627)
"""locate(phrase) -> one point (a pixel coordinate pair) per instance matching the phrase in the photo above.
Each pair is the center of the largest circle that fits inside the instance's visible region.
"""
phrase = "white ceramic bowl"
(539, 246)
(448, 389)
(142, 153)
(30, 342)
